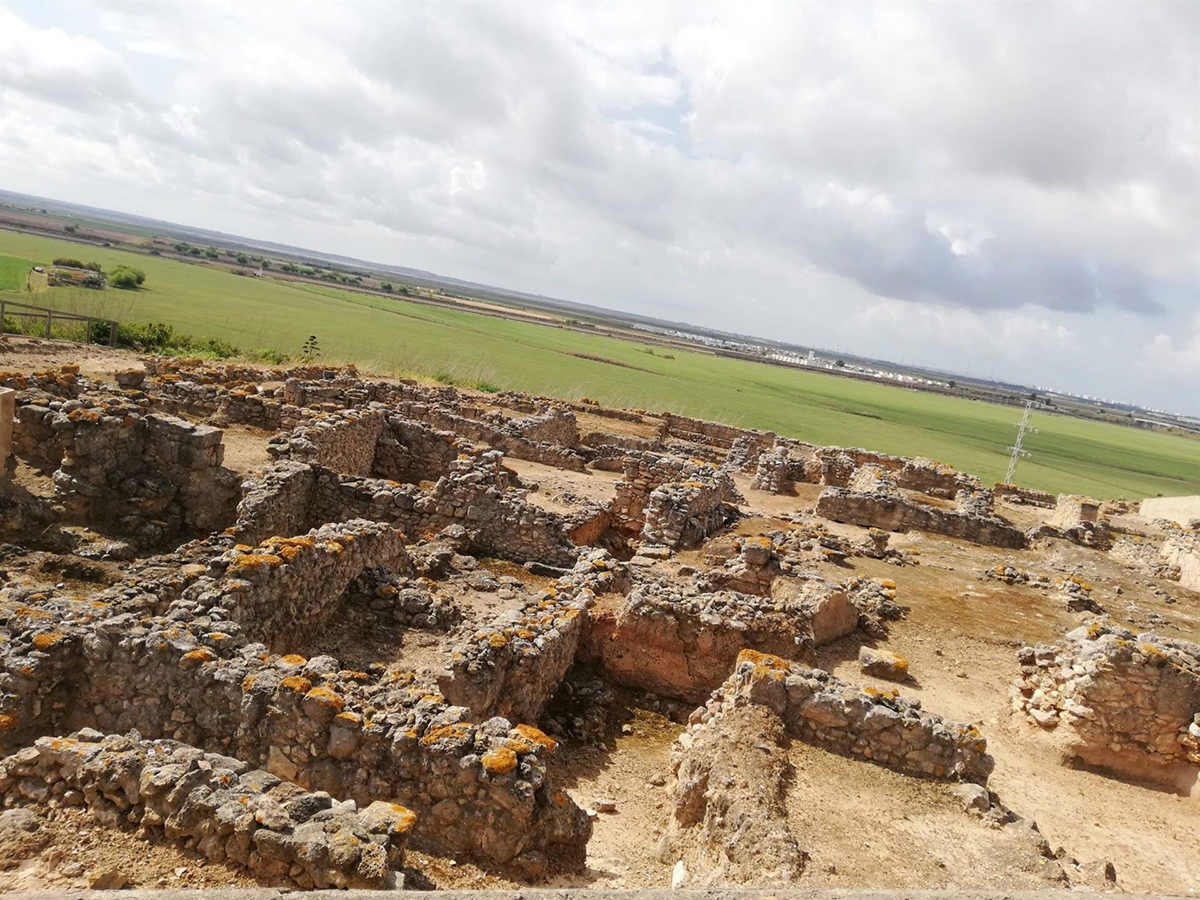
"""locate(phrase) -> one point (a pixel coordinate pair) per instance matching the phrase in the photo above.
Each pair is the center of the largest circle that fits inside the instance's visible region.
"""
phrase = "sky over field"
(1009, 189)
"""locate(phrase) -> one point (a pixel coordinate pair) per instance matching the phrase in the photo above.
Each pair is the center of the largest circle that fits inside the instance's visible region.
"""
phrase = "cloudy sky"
(1008, 189)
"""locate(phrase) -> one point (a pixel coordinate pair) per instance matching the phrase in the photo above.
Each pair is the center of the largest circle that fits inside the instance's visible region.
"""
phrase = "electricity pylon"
(1018, 450)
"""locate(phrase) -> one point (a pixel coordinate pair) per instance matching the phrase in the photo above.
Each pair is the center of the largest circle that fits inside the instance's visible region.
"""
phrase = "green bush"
(72, 263)
(126, 278)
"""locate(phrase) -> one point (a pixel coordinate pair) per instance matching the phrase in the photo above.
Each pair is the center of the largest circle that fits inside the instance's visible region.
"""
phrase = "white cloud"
(1020, 180)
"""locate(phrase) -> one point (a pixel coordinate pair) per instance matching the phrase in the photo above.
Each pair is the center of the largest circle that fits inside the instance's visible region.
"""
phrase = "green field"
(395, 337)
(13, 272)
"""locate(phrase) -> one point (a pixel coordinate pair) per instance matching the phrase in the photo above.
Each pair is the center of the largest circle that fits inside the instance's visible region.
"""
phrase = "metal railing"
(37, 313)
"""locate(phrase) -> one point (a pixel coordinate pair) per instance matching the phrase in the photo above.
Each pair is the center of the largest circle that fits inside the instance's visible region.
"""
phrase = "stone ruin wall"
(181, 666)
(288, 497)
(670, 500)
(679, 642)
(894, 512)
(1181, 548)
(1130, 703)
(714, 434)
(1023, 496)
(876, 725)
(513, 667)
(153, 476)
(228, 811)
(683, 514)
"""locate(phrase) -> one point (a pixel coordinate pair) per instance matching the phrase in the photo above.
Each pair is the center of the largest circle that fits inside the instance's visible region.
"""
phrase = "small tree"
(211, 253)
(386, 286)
(311, 348)
(126, 278)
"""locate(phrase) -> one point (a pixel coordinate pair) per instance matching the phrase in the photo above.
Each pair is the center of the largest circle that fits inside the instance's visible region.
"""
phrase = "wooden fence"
(91, 334)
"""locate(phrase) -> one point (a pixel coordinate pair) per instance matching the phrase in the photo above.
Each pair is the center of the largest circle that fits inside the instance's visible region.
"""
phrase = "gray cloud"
(812, 164)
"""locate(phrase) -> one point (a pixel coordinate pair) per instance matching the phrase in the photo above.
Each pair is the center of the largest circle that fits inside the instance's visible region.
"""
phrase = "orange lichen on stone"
(889, 584)
(348, 719)
(499, 761)
(256, 560)
(298, 684)
(325, 697)
(405, 819)
(497, 640)
(876, 694)
(764, 665)
(453, 732)
(536, 736)
(197, 656)
(293, 659)
(48, 639)
(8, 721)
(333, 548)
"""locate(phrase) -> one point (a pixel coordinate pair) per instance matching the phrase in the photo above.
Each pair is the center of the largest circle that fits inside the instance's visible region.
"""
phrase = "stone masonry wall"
(230, 812)
(1131, 702)
(893, 512)
(152, 476)
(877, 725)
(168, 659)
(513, 667)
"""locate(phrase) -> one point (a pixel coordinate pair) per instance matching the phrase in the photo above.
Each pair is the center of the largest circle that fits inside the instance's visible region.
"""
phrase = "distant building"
(69, 276)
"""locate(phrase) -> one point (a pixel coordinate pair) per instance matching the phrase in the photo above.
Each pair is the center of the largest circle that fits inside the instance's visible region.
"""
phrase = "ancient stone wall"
(228, 811)
(714, 434)
(935, 479)
(682, 514)
(677, 641)
(894, 512)
(1020, 495)
(513, 667)
(1181, 548)
(152, 476)
(344, 441)
(190, 672)
(1071, 511)
(877, 725)
(1130, 702)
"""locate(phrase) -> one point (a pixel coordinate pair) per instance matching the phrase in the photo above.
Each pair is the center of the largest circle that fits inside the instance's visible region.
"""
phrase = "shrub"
(126, 278)
(72, 263)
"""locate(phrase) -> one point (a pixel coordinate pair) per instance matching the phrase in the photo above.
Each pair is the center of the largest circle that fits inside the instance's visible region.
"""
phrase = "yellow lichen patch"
(325, 697)
(360, 677)
(405, 819)
(536, 736)
(48, 639)
(499, 761)
(289, 553)
(256, 560)
(8, 721)
(889, 584)
(451, 732)
(333, 548)
(197, 656)
(348, 719)
(764, 665)
(297, 684)
(293, 659)
(98, 604)
(876, 694)
(248, 683)
(497, 640)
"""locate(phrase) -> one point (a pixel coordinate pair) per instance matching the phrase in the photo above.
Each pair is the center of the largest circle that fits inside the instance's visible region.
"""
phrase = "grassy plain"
(395, 337)
(13, 272)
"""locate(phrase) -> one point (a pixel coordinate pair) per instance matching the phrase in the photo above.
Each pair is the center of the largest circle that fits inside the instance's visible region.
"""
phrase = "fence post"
(87, 330)
(49, 318)
(112, 333)
(1, 317)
